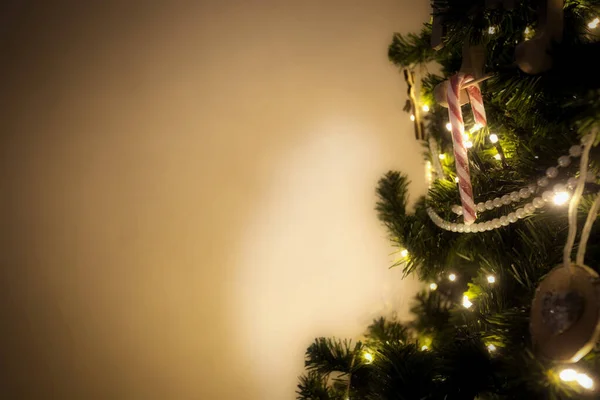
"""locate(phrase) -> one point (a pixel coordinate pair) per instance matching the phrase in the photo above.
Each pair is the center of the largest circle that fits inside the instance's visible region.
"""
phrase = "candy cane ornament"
(458, 129)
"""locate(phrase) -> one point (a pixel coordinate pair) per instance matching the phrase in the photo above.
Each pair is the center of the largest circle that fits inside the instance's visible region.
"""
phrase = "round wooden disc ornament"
(565, 313)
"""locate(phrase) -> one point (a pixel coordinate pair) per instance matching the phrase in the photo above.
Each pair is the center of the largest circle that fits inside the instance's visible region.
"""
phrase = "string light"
(493, 138)
(466, 302)
(527, 31)
(492, 30)
(452, 277)
(412, 117)
(585, 381)
(491, 348)
(491, 279)
(594, 23)
(568, 375)
(561, 198)
(498, 157)
(468, 144)
(425, 108)
(433, 286)
(442, 156)
(456, 179)
(404, 253)
(368, 357)
(449, 126)
(424, 347)
(465, 136)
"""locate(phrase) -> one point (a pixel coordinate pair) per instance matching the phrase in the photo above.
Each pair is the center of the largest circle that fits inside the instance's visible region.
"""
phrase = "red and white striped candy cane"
(458, 129)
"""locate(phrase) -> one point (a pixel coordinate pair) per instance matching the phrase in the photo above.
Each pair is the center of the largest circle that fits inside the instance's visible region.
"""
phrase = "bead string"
(495, 223)
(516, 196)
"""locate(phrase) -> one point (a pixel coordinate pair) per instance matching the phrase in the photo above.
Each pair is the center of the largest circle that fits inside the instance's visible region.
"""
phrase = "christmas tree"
(504, 240)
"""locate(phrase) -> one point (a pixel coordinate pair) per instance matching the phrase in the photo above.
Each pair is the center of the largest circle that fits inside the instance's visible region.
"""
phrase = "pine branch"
(327, 355)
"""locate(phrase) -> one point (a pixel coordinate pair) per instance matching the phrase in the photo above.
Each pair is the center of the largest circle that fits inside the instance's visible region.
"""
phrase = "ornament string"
(574, 204)
(587, 229)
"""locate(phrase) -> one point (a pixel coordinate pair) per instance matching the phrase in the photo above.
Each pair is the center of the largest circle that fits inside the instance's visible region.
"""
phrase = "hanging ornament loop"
(588, 140)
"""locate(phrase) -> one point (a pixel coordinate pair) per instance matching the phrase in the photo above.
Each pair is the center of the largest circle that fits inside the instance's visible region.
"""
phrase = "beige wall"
(187, 191)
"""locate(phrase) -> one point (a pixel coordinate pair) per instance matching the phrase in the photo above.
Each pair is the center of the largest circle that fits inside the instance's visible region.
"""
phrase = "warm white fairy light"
(492, 30)
(412, 117)
(368, 357)
(585, 381)
(498, 157)
(456, 179)
(442, 156)
(433, 286)
(468, 144)
(561, 198)
(493, 138)
(594, 23)
(452, 277)
(466, 302)
(404, 253)
(491, 348)
(571, 375)
(465, 136)
(425, 108)
(527, 31)
(491, 279)
(568, 375)
(449, 126)
(424, 347)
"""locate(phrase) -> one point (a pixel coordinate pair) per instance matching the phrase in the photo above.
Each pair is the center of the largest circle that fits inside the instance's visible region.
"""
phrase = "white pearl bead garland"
(516, 196)
(513, 197)
(505, 220)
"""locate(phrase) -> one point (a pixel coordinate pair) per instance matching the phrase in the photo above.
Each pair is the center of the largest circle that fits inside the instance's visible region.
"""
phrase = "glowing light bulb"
(594, 23)
(466, 302)
(498, 157)
(491, 279)
(424, 347)
(404, 253)
(492, 30)
(452, 277)
(425, 108)
(468, 144)
(585, 381)
(433, 286)
(412, 117)
(493, 138)
(527, 31)
(449, 126)
(442, 156)
(568, 375)
(368, 357)
(456, 179)
(561, 198)
(465, 136)
(491, 347)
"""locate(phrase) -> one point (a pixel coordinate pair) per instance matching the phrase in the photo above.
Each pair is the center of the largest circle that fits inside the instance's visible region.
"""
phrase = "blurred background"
(187, 191)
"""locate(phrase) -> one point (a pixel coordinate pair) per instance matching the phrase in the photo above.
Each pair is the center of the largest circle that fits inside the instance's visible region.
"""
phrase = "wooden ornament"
(565, 313)
(533, 55)
(412, 104)
(473, 62)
